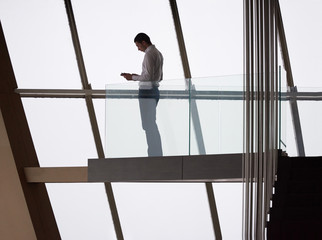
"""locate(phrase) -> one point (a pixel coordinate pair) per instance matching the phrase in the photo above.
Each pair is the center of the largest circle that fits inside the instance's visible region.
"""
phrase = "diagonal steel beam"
(181, 43)
(290, 82)
(284, 49)
(91, 113)
(187, 74)
(23, 206)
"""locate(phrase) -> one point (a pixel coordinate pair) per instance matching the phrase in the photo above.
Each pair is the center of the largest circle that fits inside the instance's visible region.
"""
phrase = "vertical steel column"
(271, 108)
(187, 74)
(259, 121)
(277, 106)
(267, 114)
(252, 116)
(260, 60)
(92, 116)
(246, 156)
(273, 103)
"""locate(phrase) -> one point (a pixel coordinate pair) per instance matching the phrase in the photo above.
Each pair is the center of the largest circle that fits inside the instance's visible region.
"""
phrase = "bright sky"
(42, 54)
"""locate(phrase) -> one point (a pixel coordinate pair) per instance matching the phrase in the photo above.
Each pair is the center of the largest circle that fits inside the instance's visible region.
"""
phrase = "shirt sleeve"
(147, 69)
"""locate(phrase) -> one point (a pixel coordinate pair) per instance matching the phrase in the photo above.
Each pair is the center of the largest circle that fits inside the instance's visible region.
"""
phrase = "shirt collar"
(149, 48)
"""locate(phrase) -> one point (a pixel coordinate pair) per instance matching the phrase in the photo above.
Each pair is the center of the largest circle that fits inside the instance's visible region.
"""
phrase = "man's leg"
(148, 116)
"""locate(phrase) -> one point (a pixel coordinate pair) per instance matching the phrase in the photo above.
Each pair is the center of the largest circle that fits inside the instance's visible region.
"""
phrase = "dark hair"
(142, 37)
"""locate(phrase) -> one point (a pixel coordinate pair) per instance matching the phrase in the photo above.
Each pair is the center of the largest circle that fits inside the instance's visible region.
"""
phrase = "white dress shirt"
(151, 69)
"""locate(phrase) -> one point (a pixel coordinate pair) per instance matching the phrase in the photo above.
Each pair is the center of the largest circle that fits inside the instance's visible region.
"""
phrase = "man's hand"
(127, 76)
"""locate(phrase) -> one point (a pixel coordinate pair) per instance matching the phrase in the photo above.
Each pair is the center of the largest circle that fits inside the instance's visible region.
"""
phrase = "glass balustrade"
(309, 104)
(203, 116)
(282, 108)
(193, 116)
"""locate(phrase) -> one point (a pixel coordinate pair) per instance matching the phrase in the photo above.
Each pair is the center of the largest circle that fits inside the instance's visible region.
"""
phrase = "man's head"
(142, 41)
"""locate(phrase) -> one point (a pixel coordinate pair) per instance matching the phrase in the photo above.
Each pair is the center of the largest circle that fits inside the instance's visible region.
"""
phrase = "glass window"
(107, 30)
(81, 211)
(161, 211)
(61, 131)
(229, 206)
(213, 32)
(303, 36)
(42, 54)
(39, 42)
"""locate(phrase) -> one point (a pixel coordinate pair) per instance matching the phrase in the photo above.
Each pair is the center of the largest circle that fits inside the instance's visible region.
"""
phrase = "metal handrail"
(175, 94)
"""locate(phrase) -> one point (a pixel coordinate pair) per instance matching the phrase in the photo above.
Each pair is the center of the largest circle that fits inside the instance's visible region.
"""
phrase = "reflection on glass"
(124, 134)
(204, 116)
(148, 101)
(216, 115)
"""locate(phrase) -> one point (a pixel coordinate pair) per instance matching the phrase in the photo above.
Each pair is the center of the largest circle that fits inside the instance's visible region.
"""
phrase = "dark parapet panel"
(198, 168)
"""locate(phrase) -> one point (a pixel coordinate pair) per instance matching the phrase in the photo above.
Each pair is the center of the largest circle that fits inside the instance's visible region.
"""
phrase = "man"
(149, 79)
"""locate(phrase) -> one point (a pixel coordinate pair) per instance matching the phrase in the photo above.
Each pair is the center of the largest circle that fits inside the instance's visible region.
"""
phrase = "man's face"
(141, 46)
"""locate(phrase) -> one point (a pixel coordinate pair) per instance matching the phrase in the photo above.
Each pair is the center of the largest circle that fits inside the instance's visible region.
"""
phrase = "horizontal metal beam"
(60, 93)
(170, 94)
(302, 96)
(125, 94)
(56, 174)
(198, 168)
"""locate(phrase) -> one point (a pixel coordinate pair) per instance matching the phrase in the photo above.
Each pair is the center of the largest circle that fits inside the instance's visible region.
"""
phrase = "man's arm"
(128, 76)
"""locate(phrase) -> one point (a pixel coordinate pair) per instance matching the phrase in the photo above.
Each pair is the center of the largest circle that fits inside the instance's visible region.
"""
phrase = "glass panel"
(213, 32)
(309, 104)
(283, 108)
(99, 105)
(214, 127)
(39, 42)
(289, 140)
(311, 118)
(164, 211)
(217, 118)
(81, 211)
(109, 48)
(61, 131)
(124, 134)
